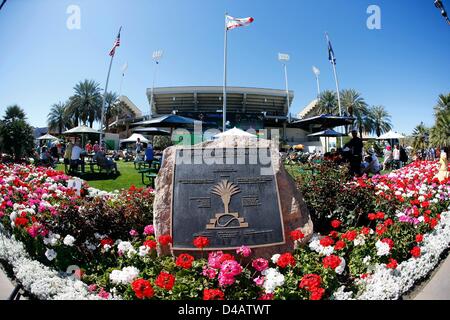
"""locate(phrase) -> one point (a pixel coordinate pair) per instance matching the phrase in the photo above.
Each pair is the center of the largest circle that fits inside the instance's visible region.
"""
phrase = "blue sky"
(404, 66)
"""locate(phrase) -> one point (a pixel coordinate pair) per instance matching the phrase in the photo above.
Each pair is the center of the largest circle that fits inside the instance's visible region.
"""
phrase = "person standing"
(443, 161)
(89, 148)
(138, 146)
(388, 157)
(396, 157)
(403, 157)
(68, 152)
(356, 147)
(76, 156)
(149, 154)
(96, 147)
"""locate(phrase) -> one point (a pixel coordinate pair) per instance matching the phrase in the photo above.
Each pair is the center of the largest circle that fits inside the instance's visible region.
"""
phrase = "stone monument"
(234, 191)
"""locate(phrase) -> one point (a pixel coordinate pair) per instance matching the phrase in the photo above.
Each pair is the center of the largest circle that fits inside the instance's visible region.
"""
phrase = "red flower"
(165, 280)
(286, 259)
(326, 241)
(165, 239)
(388, 222)
(415, 252)
(150, 244)
(184, 261)
(297, 235)
(266, 296)
(225, 257)
(310, 282)
(317, 294)
(107, 241)
(201, 242)
(380, 229)
(372, 216)
(380, 215)
(419, 238)
(332, 261)
(339, 245)
(433, 223)
(365, 231)
(336, 223)
(213, 294)
(334, 234)
(392, 264)
(20, 221)
(425, 204)
(142, 288)
(349, 235)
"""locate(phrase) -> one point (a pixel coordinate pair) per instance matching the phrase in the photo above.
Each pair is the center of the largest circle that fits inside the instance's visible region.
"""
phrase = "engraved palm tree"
(225, 190)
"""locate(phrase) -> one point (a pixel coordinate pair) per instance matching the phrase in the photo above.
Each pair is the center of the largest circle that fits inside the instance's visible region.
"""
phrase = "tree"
(112, 109)
(86, 103)
(58, 118)
(440, 132)
(380, 120)
(16, 134)
(355, 106)
(421, 134)
(328, 103)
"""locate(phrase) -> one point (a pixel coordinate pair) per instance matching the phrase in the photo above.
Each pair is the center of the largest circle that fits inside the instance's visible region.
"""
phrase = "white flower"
(275, 258)
(273, 279)
(50, 254)
(367, 260)
(383, 248)
(52, 239)
(124, 276)
(69, 240)
(126, 248)
(340, 269)
(106, 247)
(143, 251)
(359, 240)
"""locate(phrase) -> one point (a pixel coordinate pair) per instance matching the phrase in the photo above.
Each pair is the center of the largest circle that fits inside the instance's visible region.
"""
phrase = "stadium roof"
(209, 99)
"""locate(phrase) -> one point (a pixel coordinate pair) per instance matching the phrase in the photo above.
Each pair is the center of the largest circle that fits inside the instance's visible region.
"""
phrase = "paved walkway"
(438, 287)
(6, 287)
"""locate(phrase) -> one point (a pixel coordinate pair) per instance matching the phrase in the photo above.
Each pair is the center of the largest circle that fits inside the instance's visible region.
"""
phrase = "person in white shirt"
(396, 156)
(76, 156)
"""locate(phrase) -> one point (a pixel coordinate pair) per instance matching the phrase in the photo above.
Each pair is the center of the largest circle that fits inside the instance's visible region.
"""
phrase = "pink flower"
(133, 233)
(260, 264)
(244, 251)
(103, 294)
(149, 230)
(230, 268)
(259, 281)
(209, 272)
(214, 259)
(225, 280)
(92, 287)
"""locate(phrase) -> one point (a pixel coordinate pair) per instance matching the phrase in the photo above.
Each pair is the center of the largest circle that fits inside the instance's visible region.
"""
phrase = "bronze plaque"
(233, 201)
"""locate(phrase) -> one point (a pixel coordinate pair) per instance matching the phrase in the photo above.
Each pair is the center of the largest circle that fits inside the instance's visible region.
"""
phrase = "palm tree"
(111, 108)
(86, 102)
(58, 117)
(328, 103)
(13, 113)
(380, 119)
(440, 132)
(443, 104)
(420, 134)
(355, 106)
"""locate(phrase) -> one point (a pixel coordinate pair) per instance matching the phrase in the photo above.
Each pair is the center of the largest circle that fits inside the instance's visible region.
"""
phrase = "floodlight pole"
(224, 108)
(104, 101)
(317, 73)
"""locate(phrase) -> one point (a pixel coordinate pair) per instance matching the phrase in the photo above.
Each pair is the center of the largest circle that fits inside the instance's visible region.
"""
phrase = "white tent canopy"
(391, 135)
(234, 132)
(47, 137)
(81, 129)
(134, 137)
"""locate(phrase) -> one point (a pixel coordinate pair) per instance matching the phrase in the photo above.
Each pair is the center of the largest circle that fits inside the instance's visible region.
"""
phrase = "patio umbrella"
(82, 131)
(152, 131)
(391, 135)
(327, 134)
(323, 121)
(47, 137)
(134, 137)
(234, 132)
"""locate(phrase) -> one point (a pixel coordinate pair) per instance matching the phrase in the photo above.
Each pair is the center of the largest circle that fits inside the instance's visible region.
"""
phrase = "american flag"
(116, 44)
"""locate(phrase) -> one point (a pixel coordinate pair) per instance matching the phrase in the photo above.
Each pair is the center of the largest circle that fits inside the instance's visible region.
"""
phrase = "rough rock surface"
(294, 211)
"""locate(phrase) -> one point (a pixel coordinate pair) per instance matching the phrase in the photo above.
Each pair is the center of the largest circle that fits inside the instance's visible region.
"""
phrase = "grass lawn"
(128, 176)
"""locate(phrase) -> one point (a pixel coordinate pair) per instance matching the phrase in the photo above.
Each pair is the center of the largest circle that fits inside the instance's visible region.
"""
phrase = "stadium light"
(316, 71)
(156, 56)
(438, 4)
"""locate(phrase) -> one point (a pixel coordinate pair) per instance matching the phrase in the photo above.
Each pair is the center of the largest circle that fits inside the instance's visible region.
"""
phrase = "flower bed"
(108, 240)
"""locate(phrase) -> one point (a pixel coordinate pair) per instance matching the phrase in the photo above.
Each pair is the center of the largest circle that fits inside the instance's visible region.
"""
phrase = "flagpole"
(333, 62)
(104, 98)
(224, 109)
